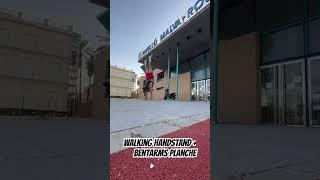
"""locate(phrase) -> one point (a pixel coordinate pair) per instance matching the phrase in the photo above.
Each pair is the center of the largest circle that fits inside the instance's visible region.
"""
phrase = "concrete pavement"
(74, 149)
(52, 149)
(139, 118)
(266, 152)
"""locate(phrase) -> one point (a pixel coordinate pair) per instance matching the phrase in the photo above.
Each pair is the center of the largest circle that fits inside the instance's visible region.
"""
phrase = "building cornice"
(43, 26)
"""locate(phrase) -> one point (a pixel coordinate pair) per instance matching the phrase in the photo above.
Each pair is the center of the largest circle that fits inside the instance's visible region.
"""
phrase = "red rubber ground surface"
(123, 166)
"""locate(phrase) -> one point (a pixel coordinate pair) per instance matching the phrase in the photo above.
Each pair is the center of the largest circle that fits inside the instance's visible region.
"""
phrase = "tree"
(90, 71)
(83, 44)
(89, 56)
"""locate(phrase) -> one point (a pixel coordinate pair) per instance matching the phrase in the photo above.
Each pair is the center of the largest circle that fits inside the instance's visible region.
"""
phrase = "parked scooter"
(169, 96)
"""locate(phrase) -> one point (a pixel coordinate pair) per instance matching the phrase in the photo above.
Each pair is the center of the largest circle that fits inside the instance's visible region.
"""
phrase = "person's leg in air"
(150, 86)
(146, 83)
(151, 89)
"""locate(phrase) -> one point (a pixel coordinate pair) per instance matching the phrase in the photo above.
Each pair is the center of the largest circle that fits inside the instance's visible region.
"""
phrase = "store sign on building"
(199, 4)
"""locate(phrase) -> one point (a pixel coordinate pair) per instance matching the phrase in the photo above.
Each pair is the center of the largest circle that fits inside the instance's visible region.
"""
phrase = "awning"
(193, 38)
(104, 19)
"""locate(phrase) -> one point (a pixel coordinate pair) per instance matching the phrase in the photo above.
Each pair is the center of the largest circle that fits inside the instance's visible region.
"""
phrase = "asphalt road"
(52, 149)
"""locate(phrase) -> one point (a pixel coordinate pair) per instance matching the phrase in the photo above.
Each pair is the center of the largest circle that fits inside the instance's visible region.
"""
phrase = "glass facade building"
(266, 46)
(198, 66)
(290, 61)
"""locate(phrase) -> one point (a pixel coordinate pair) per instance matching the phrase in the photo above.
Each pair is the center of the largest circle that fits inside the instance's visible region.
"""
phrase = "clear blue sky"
(136, 23)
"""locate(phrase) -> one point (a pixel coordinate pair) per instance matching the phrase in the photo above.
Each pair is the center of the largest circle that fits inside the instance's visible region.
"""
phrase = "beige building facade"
(35, 59)
(121, 82)
(161, 83)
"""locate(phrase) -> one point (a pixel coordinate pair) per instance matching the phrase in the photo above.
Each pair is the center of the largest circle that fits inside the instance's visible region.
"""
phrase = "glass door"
(293, 94)
(282, 94)
(314, 91)
(268, 95)
(194, 91)
(208, 89)
(201, 90)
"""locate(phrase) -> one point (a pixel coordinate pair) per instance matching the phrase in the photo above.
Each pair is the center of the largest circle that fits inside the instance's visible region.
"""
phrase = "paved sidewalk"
(266, 152)
(139, 118)
(52, 149)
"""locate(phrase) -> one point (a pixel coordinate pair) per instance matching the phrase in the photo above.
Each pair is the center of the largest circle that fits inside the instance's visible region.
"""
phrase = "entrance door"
(314, 91)
(208, 89)
(282, 94)
(268, 95)
(201, 90)
(194, 91)
(293, 94)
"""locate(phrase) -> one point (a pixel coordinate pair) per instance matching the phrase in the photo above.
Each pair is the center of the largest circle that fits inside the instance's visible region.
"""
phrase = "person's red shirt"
(149, 76)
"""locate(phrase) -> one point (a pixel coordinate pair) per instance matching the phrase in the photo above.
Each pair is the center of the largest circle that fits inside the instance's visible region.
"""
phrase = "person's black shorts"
(147, 85)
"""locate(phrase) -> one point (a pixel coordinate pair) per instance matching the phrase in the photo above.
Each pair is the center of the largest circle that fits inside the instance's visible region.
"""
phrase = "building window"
(280, 15)
(314, 36)
(4, 36)
(74, 58)
(160, 76)
(31, 41)
(314, 7)
(27, 68)
(197, 63)
(283, 44)
(198, 75)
